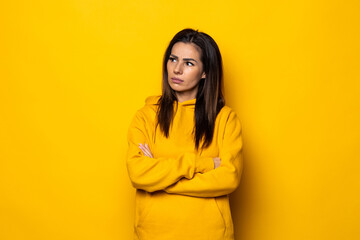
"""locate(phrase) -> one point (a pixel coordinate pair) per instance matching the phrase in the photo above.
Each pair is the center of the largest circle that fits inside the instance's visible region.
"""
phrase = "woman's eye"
(171, 59)
(189, 64)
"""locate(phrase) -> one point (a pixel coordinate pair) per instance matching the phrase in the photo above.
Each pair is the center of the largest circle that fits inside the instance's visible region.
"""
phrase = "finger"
(150, 154)
(148, 149)
(144, 150)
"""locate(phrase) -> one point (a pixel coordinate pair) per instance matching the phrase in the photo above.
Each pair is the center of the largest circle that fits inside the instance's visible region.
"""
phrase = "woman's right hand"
(217, 162)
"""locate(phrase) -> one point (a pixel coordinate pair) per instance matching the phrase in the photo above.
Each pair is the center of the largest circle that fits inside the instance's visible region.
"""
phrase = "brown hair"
(209, 98)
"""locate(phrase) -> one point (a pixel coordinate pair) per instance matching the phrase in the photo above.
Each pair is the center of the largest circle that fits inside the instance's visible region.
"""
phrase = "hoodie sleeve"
(224, 179)
(152, 174)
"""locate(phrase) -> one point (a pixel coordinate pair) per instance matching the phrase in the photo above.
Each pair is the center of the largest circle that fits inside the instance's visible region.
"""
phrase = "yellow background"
(73, 73)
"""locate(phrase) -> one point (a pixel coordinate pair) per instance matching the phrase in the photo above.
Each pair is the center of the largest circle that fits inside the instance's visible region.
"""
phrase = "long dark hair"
(209, 98)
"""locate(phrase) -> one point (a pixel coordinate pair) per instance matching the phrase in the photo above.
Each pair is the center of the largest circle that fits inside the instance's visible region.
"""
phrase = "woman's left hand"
(146, 150)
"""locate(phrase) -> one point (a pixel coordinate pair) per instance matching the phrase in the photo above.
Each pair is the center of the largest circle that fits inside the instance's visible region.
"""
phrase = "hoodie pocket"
(182, 216)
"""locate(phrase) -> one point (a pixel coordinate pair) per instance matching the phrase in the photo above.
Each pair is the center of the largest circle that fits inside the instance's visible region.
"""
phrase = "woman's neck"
(185, 96)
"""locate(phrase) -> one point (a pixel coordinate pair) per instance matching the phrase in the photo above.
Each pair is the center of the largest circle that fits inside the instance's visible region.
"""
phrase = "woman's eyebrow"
(189, 59)
(185, 59)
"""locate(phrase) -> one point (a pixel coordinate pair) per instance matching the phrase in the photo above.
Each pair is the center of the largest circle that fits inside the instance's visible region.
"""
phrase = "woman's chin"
(177, 88)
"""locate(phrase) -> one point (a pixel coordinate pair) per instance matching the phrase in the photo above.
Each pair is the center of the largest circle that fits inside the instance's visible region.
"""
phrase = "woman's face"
(185, 69)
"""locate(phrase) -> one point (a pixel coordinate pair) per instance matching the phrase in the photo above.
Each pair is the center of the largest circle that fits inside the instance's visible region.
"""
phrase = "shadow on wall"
(240, 200)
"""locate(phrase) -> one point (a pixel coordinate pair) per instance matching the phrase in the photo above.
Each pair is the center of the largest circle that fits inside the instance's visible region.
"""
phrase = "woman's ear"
(203, 75)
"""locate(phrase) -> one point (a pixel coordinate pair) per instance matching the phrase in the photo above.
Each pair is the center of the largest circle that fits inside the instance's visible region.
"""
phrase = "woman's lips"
(177, 80)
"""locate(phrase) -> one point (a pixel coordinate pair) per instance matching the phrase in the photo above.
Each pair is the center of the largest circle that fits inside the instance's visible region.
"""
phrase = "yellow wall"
(73, 73)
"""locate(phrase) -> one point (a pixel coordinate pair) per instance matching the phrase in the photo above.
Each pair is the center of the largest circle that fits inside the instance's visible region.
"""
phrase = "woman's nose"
(177, 68)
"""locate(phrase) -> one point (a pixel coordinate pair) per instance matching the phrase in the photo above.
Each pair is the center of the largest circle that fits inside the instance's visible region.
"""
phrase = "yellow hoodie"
(179, 194)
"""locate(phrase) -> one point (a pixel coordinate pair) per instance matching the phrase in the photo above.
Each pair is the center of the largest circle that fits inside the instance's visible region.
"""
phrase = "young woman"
(185, 148)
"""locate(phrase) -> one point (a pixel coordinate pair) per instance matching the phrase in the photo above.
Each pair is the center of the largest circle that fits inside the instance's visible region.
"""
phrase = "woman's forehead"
(186, 50)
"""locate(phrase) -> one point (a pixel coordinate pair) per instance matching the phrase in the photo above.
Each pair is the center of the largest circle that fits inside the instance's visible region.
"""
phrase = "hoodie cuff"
(204, 164)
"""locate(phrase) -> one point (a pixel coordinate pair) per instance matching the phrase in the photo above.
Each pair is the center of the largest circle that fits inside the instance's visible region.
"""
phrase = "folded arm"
(153, 174)
(224, 179)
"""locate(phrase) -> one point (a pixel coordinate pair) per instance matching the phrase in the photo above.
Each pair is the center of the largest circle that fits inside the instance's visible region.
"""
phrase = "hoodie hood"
(153, 100)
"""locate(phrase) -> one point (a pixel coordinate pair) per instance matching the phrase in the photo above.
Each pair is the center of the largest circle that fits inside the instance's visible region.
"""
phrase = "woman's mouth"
(177, 80)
